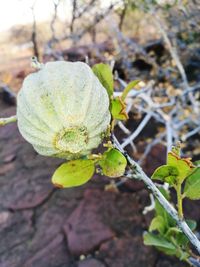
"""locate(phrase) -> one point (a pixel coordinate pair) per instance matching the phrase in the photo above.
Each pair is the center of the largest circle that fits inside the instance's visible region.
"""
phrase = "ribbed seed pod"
(63, 110)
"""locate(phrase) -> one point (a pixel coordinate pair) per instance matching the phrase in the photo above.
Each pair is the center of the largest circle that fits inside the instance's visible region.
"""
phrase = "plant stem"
(139, 174)
(194, 262)
(4, 121)
(179, 200)
(128, 88)
(180, 250)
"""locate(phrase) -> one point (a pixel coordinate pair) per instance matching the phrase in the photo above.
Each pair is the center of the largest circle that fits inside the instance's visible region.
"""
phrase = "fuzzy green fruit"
(63, 110)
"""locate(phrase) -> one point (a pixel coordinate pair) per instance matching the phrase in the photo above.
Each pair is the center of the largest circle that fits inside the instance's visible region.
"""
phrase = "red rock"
(16, 229)
(90, 263)
(169, 263)
(26, 191)
(54, 254)
(191, 209)
(5, 168)
(4, 217)
(134, 185)
(156, 158)
(84, 229)
(127, 252)
(9, 158)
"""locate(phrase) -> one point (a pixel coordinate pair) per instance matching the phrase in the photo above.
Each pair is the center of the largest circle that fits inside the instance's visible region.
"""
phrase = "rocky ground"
(41, 226)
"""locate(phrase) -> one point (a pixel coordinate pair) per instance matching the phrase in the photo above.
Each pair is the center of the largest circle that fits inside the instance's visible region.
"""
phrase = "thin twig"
(53, 21)
(169, 136)
(4, 121)
(123, 128)
(122, 15)
(151, 206)
(74, 7)
(138, 130)
(191, 133)
(84, 9)
(149, 147)
(174, 55)
(138, 173)
(34, 32)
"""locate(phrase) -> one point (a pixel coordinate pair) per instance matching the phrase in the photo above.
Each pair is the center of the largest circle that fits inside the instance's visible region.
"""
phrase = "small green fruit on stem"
(138, 173)
(179, 201)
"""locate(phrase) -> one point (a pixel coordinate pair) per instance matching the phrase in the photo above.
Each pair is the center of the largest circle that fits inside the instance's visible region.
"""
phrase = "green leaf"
(197, 163)
(118, 109)
(176, 149)
(183, 255)
(113, 163)
(166, 173)
(73, 173)
(168, 251)
(160, 211)
(192, 224)
(172, 231)
(105, 76)
(158, 207)
(181, 238)
(183, 165)
(172, 159)
(158, 223)
(192, 185)
(165, 193)
(157, 241)
(128, 88)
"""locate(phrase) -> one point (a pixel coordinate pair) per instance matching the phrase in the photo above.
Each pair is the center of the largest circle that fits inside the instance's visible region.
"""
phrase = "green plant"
(184, 177)
(114, 161)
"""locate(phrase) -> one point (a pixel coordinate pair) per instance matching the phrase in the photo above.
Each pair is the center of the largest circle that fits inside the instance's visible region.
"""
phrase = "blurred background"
(99, 224)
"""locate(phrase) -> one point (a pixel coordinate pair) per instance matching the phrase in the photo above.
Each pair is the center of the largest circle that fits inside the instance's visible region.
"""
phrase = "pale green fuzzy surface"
(62, 95)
